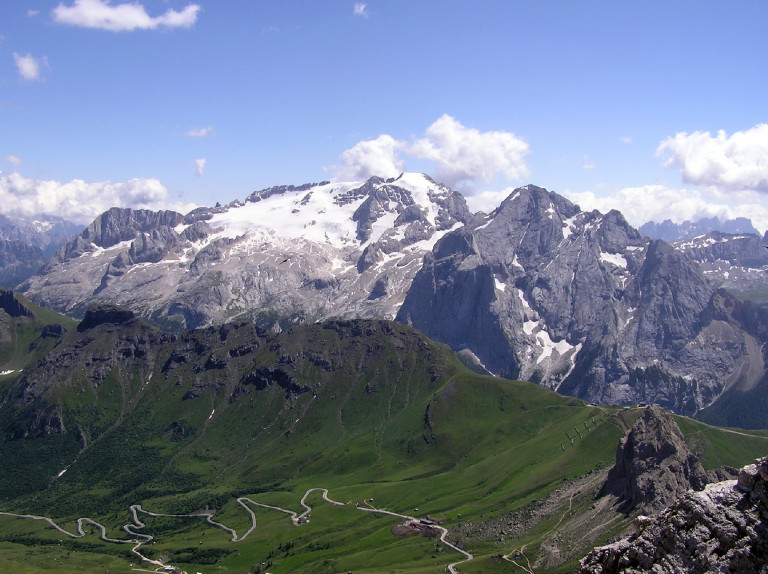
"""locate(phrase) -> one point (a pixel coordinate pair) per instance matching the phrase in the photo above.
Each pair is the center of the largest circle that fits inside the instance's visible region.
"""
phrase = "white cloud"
(371, 157)
(200, 132)
(361, 10)
(461, 155)
(29, 66)
(736, 162)
(658, 202)
(103, 15)
(200, 166)
(78, 200)
(14, 159)
(33, 13)
(464, 154)
(586, 164)
(625, 139)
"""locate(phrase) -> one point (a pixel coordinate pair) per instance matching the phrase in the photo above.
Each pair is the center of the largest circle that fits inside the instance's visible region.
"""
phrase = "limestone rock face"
(654, 466)
(719, 529)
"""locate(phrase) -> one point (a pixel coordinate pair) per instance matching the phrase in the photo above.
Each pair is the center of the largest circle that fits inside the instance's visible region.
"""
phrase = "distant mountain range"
(670, 231)
(27, 243)
(539, 290)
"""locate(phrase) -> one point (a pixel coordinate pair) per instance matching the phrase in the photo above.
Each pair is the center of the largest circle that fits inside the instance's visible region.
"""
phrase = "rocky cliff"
(581, 303)
(719, 529)
(653, 466)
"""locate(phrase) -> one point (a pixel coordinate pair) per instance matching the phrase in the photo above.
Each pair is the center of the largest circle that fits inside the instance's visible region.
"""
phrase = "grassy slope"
(391, 417)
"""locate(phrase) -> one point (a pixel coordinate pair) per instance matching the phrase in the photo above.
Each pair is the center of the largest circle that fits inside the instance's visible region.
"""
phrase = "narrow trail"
(521, 551)
(297, 519)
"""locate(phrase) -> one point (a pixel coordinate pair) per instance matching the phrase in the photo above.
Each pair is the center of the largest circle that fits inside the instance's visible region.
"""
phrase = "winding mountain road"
(296, 518)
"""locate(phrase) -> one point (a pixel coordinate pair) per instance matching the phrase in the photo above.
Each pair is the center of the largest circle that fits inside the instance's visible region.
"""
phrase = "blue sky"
(656, 108)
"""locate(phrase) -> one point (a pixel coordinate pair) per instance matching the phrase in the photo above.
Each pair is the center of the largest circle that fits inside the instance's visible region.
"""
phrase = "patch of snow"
(522, 299)
(572, 359)
(382, 224)
(42, 225)
(634, 248)
(516, 263)
(96, 251)
(562, 347)
(529, 327)
(484, 225)
(7, 372)
(279, 213)
(614, 259)
(429, 244)
(476, 358)
(499, 285)
(61, 473)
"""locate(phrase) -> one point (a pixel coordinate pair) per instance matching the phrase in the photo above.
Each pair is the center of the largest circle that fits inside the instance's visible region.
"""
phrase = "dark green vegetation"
(366, 409)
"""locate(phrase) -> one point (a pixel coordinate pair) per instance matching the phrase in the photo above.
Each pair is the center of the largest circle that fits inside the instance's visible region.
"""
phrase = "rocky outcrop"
(12, 306)
(719, 529)
(654, 465)
(99, 314)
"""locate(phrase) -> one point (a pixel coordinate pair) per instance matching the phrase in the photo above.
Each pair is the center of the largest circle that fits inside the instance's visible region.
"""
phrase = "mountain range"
(671, 231)
(27, 243)
(579, 302)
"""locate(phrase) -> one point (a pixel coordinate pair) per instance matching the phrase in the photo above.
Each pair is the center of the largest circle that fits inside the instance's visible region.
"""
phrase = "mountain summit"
(286, 254)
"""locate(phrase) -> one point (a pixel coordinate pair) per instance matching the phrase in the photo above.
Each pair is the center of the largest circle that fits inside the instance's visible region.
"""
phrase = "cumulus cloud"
(461, 155)
(371, 157)
(736, 162)
(200, 132)
(658, 203)
(79, 201)
(464, 154)
(103, 15)
(28, 66)
(200, 166)
(361, 10)
(14, 159)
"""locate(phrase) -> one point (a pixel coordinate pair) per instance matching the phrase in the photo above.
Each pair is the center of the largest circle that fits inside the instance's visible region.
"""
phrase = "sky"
(658, 109)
